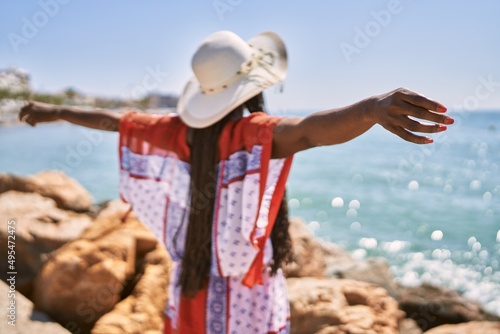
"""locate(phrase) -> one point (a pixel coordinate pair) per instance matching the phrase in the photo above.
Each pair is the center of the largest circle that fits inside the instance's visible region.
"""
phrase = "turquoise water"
(433, 211)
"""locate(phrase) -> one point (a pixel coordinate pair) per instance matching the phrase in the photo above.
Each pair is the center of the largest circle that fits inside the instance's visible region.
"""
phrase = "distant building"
(162, 101)
(14, 80)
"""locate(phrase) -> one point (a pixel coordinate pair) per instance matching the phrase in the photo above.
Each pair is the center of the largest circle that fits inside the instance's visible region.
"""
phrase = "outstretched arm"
(396, 111)
(37, 112)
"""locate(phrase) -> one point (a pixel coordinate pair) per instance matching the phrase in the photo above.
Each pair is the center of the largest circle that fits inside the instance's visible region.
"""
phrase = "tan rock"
(409, 326)
(341, 306)
(311, 257)
(316, 258)
(372, 270)
(113, 279)
(433, 306)
(26, 318)
(473, 327)
(40, 228)
(113, 217)
(143, 310)
(65, 191)
(113, 208)
(85, 278)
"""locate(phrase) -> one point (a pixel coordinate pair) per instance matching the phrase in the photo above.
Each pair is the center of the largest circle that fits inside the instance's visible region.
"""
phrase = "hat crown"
(219, 58)
(229, 71)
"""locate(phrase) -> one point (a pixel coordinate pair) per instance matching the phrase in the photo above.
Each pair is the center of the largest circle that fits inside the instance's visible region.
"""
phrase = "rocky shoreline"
(84, 269)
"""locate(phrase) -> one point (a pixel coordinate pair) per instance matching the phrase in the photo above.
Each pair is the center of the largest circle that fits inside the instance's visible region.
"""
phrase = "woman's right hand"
(38, 112)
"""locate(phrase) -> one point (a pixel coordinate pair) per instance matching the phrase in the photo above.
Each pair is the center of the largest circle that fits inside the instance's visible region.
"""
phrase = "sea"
(433, 211)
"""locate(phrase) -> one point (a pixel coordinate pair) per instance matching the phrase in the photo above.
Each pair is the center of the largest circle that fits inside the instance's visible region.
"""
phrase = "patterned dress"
(241, 295)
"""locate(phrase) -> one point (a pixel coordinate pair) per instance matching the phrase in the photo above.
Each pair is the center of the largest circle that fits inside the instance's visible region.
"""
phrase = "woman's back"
(155, 180)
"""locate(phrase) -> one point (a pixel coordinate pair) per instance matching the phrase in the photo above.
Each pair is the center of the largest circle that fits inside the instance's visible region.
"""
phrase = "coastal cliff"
(88, 269)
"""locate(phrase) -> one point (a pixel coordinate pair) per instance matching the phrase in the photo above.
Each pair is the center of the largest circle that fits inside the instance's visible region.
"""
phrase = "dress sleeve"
(274, 174)
(151, 150)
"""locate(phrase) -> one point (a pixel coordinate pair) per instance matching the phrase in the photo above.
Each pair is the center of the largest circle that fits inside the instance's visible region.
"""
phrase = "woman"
(209, 182)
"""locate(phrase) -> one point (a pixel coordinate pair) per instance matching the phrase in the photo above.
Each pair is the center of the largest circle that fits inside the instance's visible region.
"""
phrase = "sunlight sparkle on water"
(354, 204)
(410, 278)
(368, 243)
(351, 213)
(471, 241)
(441, 254)
(470, 164)
(437, 235)
(356, 226)
(359, 254)
(448, 189)
(476, 247)
(357, 178)
(475, 185)
(293, 203)
(313, 226)
(413, 185)
(394, 246)
(337, 202)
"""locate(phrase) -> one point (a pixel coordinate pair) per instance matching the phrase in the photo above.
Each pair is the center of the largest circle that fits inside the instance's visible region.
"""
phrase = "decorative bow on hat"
(262, 59)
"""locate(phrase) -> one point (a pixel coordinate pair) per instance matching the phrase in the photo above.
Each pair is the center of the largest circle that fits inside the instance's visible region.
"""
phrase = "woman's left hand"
(398, 112)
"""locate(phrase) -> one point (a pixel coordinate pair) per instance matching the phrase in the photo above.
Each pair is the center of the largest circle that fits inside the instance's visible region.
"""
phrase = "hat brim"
(200, 110)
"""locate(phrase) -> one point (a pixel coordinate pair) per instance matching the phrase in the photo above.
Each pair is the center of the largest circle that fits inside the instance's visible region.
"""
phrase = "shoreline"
(319, 264)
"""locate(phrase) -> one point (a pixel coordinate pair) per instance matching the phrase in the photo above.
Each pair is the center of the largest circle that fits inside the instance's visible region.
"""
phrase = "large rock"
(112, 279)
(409, 326)
(473, 327)
(311, 256)
(341, 306)
(315, 258)
(372, 270)
(40, 228)
(26, 318)
(65, 191)
(85, 279)
(117, 215)
(143, 310)
(432, 306)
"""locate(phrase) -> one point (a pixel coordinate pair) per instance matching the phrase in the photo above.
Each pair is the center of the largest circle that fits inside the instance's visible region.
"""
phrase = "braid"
(198, 244)
(195, 266)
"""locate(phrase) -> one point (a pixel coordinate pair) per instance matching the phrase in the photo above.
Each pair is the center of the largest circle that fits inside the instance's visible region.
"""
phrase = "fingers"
(409, 136)
(419, 106)
(416, 126)
(420, 101)
(24, 111)
(425, 114)
(36, 112)
(404, 108)
(403, 115)
(30, 119)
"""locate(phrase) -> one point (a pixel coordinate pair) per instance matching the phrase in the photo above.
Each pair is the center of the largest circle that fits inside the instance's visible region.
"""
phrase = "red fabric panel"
(154, 134)
(192, 313)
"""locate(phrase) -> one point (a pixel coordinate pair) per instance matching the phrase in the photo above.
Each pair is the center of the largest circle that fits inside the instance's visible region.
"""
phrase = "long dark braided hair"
(195, 267)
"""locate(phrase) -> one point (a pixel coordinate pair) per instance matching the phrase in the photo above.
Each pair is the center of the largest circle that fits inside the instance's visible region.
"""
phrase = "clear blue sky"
(439, 48)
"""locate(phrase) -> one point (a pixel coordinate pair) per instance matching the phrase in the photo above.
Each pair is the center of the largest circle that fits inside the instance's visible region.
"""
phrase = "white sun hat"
(229, 71)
